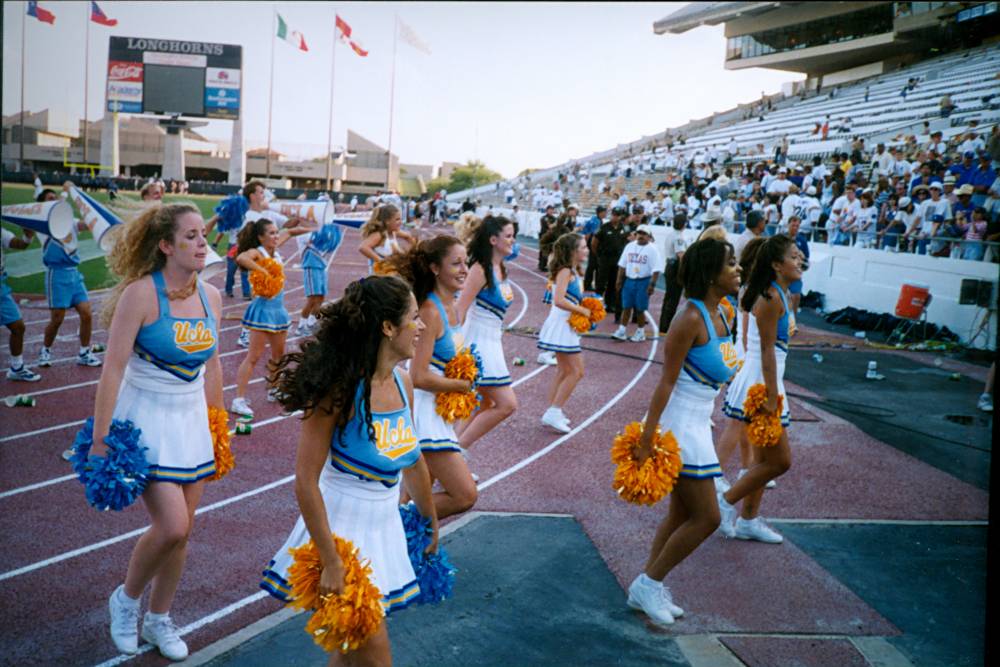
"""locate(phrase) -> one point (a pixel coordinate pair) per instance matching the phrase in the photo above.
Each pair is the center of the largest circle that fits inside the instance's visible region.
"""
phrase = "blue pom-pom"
(116, 480)
(326, 238)
(479, 365)
(515, 251)
(435, 573)
(231, 211)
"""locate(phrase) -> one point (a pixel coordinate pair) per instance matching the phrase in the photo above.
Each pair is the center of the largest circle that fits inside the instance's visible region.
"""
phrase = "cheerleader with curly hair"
(437, 270)
(566, 265)
(357, 442)
(266, 317)
(772, 322)
(161, 371)
(698, 358)
(381, 236)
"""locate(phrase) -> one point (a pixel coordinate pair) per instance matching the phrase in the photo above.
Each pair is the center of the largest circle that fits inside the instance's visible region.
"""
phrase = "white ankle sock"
(17, 363)
(84, 350)
(646, 580)
(154, 617)
(125, 599)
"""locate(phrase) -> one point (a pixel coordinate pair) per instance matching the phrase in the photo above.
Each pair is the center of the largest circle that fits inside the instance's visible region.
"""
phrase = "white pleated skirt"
(557, 335)
(367, 514)
(688, 416)
(173, 417)
(433, 433)
(752, 373)
(485, 330)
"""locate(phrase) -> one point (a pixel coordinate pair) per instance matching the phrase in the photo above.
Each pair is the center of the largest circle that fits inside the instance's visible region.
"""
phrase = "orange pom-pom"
(755, 400)
(729, 312)
(218, 426)
(341, 622)
(596, 308)
(764, 429)
(455, 405)
(649, 483)
(579, 323)
(462, 366)
(381, 268)
(268, 284)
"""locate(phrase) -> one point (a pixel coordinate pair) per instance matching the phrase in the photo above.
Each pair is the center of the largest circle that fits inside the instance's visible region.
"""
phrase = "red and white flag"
(345, 35)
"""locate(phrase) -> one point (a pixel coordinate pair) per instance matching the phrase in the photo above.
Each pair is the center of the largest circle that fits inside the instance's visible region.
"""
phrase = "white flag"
(407, 34)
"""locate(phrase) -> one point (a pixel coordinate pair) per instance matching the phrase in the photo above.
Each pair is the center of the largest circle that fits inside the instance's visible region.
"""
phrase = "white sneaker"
(303, 330)
(67, 454)
(728, 513)
(770, 485)
(620, 333)
(675, 611)
(272, 395)
(244, 339)
(722, 484)
(25, 374)
(565, 419)
(241, 406)
(547, 358)
(639, 336)
(985, 401)
(163, 634)
(756, 529)
(87, 359)
(650, 599)
(45, 357)
(124, 622)
(553, 418)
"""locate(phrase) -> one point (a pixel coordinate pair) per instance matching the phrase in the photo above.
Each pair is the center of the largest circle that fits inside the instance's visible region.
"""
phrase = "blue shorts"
(795, 288)
(634, 294)
(315, 281)
(9, 312)
(64, 288)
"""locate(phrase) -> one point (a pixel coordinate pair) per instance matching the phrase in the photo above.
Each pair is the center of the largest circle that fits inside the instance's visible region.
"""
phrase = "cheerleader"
(161, 371)
(481, 306)
(546, 357)
(698, 359)
(437, 271)
(265, 317)
(357, 441)
(317, 250)
(382, 234)
(568, 257)
(777, 265)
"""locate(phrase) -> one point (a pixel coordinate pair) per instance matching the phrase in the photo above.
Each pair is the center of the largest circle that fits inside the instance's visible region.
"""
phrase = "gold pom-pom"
(218, 426)
(729, 312)
(649, 483)
(764, 429)
(581, 324)
(268, 284)
(341, 622)
(381, 268)
(458, 405)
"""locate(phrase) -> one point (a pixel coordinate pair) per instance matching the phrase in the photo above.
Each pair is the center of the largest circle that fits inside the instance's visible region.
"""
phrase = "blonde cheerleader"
(566, 262)
(357, 443)
(381, 236)
(777, 265)
(161, 372)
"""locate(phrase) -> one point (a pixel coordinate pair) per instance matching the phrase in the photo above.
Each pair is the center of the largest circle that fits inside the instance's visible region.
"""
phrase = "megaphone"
(214, 265)
(319, 211)
(97, 218)
(52, 218)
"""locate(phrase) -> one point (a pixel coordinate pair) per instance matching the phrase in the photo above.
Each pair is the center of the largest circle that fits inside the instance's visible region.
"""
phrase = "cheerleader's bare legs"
(569, 372)
(773, 462)
(160, 553)
(259, 340)
(498, 403)
(460, 493)
(693, 516)
(376, 652)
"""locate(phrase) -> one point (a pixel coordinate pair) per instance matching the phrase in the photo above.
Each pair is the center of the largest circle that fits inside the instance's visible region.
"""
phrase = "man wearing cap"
(798, 176)
(590, 229)
(843, 217)
(935, 216)
(965, 170)
(923, 178)
(808, 210)
(545, 222)
(638, 270)
(949, 189)
(898, 225)
(608, 244)
(936, 145)
(963, 202)
(982, 180)
(779, 185)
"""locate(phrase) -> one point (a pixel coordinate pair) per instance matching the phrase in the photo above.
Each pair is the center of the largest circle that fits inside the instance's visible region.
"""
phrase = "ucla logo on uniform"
(193, 339)
(506, 292)
(394, 441)
(729, 356)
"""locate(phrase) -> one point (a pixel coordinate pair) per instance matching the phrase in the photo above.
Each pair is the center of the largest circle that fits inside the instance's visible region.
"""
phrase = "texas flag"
(97, 16)
(42, 15)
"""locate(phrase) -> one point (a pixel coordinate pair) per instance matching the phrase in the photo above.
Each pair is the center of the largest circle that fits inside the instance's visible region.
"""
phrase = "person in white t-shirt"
(790, 204)
(843, 217)
(867, 220)
(935, 214)
(808, 210)
(38, 187)
(772, 214)
(509, 195)
(781, 184)
(638, 270)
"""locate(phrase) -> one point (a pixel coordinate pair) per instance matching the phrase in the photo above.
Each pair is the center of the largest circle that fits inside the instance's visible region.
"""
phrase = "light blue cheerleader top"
(56, 255)
(574, 291)
(714, 363)
(177, 345)
(395, 446)
(444, 346)
(786, 322)
(495, 299)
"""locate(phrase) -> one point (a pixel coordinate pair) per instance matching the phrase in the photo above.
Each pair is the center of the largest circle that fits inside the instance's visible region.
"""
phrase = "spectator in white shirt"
(883, 161)
(935, 216)
(843, 217)
(790, 204)
(38, 187)
(781, 184)
(638, 270)
(675, 245)
(867, 220)
(809, 211)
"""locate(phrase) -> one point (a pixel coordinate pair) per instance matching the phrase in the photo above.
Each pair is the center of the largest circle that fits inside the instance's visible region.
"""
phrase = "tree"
(472, 174)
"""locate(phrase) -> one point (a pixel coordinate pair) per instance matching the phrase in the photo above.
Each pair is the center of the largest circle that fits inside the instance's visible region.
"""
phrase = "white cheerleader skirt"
(485, 330)
(268, 315)
(433, 433)
(689, 418)
(752, 373)
(557, 335)
(173, 417)
(367, 514)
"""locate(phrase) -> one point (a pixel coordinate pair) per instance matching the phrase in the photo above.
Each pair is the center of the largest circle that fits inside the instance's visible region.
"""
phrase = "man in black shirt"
(609, 241)
(546, 221)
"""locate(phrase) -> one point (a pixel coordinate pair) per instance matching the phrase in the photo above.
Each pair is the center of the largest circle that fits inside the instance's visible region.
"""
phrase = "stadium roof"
(697, 14)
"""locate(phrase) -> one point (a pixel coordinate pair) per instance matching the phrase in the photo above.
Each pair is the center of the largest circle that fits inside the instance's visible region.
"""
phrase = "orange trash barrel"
(913, 298)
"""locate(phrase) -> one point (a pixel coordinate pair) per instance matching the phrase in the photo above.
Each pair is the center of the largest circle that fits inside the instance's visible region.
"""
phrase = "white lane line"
(524, 305)
(38, 485)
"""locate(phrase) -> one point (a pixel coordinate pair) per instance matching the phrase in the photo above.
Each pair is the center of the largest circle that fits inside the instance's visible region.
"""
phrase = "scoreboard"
(174, 78)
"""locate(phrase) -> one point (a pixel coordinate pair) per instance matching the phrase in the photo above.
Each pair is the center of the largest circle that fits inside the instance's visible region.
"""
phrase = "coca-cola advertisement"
(124, 71)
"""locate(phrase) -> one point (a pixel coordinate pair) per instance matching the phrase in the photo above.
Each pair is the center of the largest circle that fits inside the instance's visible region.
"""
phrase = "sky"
(515, 85)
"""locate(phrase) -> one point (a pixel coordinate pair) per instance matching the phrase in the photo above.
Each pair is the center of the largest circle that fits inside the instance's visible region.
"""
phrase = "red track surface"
(62, 558)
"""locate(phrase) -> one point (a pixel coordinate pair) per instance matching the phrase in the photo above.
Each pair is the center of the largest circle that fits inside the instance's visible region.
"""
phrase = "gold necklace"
(184, 292)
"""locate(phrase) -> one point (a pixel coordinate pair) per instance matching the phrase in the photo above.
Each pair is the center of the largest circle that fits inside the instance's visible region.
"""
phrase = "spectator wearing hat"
(923, 178)
(964, 170)
(590, 229)
(936, 145)
(638, 271)
(780, 185)
(797, 176)
(608, 243)
(935, 219)
(843, 217)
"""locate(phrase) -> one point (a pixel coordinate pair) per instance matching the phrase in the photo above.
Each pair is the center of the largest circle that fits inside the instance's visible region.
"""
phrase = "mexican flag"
(293, 37)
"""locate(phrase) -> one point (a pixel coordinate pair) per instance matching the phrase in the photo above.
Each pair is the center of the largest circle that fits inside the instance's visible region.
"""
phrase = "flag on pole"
(42, 15)
(407, 34)
(293, 37)
(345, 35)
(97, 16)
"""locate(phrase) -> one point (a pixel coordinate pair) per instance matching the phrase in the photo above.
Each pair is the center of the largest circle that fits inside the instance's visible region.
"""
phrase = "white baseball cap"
(810, 191)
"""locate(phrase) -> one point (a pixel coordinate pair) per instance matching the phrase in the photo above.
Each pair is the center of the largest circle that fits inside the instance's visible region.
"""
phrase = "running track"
(63, 558)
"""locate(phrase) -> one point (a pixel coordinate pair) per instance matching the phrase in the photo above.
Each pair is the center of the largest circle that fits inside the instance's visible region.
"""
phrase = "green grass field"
(95, 271)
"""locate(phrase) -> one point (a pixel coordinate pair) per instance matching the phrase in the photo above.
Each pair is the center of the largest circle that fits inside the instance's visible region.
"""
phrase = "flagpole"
(392, 97)
(270, 103)
(24, 38)
(329, 122)
(86, 79)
